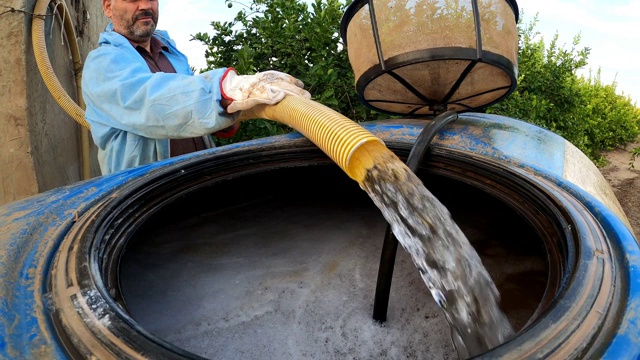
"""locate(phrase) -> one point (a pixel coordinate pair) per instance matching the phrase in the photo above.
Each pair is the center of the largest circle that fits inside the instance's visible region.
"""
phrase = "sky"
(610, 28)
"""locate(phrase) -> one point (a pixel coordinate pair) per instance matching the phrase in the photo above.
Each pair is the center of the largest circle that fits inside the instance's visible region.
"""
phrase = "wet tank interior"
(252, 267)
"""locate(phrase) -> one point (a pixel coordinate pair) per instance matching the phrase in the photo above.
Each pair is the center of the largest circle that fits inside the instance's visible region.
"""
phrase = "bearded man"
(143, 101)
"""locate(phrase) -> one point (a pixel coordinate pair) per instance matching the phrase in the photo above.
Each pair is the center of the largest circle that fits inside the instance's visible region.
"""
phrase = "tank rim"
(93, 312)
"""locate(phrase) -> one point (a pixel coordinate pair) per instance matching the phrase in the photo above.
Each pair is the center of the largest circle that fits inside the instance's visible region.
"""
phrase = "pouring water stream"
(448, 264)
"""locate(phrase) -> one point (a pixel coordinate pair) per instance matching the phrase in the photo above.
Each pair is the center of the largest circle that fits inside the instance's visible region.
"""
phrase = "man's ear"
(106, 7)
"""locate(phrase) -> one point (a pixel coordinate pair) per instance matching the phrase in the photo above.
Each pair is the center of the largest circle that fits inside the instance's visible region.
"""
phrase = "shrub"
(550, 94)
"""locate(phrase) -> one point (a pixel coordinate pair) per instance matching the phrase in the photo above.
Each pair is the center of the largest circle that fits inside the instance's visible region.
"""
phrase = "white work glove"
(269, 87)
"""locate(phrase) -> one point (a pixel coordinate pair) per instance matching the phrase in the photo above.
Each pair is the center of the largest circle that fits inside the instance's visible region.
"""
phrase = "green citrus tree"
(551, 94)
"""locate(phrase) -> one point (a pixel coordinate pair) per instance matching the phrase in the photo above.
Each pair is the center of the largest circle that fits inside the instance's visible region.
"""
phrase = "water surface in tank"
(283, 264)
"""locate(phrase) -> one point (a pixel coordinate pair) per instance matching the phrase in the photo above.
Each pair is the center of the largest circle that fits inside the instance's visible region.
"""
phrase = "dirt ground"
(625, 182)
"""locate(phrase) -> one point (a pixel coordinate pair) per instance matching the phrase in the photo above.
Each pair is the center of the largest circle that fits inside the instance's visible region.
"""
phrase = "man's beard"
(136, 30)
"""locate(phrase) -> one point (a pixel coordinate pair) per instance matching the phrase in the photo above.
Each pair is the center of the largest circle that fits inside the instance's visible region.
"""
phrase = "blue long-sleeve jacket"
(133, 112)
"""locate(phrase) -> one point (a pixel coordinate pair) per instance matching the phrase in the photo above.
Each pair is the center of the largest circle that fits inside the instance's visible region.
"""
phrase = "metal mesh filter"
(422, 57)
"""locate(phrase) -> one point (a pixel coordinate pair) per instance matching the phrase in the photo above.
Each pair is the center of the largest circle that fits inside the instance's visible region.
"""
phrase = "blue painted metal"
(32, 229)
(493, 136)
(30, 233)
(625, 344)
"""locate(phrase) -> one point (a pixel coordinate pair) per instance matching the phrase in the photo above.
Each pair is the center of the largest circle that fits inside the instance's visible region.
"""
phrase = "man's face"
(134, 19)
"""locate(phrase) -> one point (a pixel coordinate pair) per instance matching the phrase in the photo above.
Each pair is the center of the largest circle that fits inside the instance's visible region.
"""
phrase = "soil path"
(625, 182)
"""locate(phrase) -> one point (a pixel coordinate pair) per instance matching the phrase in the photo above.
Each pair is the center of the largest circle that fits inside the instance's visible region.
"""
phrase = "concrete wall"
(40, 145)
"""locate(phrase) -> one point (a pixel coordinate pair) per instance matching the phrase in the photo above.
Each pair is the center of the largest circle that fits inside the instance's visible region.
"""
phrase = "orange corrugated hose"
(348, 144)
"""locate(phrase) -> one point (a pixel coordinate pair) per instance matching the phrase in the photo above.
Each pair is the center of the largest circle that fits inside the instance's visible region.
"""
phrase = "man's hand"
(269, 87)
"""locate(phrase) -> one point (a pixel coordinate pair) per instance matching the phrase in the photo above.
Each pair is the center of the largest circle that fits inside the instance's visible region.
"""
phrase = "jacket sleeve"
(121, 93)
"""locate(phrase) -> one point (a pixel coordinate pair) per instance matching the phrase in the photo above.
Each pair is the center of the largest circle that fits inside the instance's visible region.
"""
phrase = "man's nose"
(144, 4)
